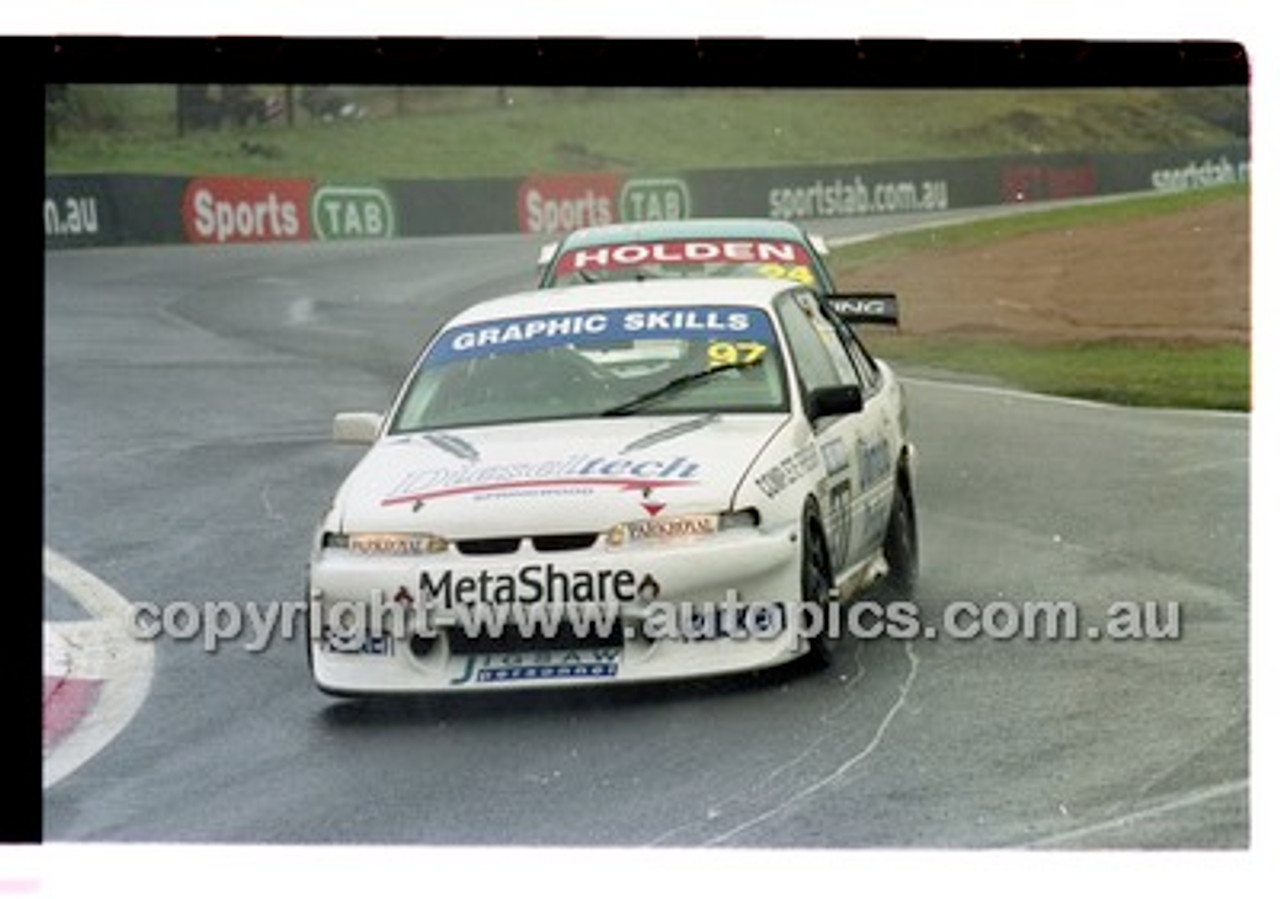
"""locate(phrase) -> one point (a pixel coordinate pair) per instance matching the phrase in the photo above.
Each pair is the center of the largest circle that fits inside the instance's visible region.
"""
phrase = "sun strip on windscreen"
(686, 252)
(741, 325)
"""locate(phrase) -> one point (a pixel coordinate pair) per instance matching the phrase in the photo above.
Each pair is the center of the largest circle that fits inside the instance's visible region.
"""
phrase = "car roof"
(683, 229)
(756, 292)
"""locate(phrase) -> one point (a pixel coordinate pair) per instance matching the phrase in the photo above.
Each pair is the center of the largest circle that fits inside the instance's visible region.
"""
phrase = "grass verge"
(1132, 373)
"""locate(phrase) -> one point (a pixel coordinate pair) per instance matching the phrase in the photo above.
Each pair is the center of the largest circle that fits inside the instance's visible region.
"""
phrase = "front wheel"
(815, 592)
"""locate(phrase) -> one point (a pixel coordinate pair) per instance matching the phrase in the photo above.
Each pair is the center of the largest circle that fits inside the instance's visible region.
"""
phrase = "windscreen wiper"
(675, 385)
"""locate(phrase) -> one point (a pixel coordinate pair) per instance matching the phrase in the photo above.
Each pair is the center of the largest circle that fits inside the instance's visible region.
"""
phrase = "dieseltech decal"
(347, 212)
(245, 210)
(580, 471)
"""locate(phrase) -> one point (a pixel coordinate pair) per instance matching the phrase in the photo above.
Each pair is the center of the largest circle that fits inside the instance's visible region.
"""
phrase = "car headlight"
(679, 527)
(375, 543)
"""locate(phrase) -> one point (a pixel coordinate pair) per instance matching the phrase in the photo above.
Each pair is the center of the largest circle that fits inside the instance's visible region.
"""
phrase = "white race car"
(615, 482)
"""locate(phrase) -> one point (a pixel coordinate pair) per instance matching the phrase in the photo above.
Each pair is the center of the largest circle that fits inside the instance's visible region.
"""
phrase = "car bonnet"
(553, 477)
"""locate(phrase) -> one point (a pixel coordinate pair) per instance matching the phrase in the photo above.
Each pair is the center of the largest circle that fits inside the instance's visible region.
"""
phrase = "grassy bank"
(478, 132)
(1129, 373)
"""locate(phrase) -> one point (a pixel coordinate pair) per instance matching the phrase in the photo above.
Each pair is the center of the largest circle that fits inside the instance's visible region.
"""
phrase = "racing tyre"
(815, 590)
(901, 543)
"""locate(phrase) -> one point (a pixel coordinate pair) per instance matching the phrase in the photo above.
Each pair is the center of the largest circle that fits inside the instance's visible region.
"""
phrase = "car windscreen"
(596, 363)
(712, 258)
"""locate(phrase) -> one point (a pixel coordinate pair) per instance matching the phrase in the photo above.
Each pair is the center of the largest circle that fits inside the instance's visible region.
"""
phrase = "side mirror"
(865, 307)
(843, 399)
(356, 427)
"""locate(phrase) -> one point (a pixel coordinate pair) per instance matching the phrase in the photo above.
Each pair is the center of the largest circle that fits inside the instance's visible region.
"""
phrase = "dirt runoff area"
(1182, 277)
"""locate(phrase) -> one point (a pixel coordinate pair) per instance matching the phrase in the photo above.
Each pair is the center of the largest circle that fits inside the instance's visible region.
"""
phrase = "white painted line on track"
(1195, 797)
(904, 689)
(969, 215)
(101, 648)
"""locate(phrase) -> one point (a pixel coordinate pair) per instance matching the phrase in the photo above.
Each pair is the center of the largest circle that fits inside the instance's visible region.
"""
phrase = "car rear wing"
(866, 307)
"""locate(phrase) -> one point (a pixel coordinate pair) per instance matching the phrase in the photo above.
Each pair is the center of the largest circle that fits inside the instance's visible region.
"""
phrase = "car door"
(879, 439)
(851, 448)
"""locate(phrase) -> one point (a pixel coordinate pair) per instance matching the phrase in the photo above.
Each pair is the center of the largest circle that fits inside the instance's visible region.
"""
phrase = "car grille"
(558, 543)
(544, 543)
(491, 546)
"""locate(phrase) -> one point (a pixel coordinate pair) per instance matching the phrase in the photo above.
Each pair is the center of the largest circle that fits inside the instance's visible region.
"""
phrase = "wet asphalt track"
(188, 397)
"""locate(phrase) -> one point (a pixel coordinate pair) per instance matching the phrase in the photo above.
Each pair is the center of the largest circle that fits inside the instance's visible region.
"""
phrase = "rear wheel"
(901, 542)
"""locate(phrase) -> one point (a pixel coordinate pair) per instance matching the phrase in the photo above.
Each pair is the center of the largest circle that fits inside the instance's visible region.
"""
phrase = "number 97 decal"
(734, 352)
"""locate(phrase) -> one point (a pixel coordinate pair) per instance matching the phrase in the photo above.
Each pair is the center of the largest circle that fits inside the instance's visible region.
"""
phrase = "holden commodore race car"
(618, 482)
(711, 247)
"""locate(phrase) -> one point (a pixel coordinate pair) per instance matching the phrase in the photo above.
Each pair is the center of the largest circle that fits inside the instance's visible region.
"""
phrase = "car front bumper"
(718, 604)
